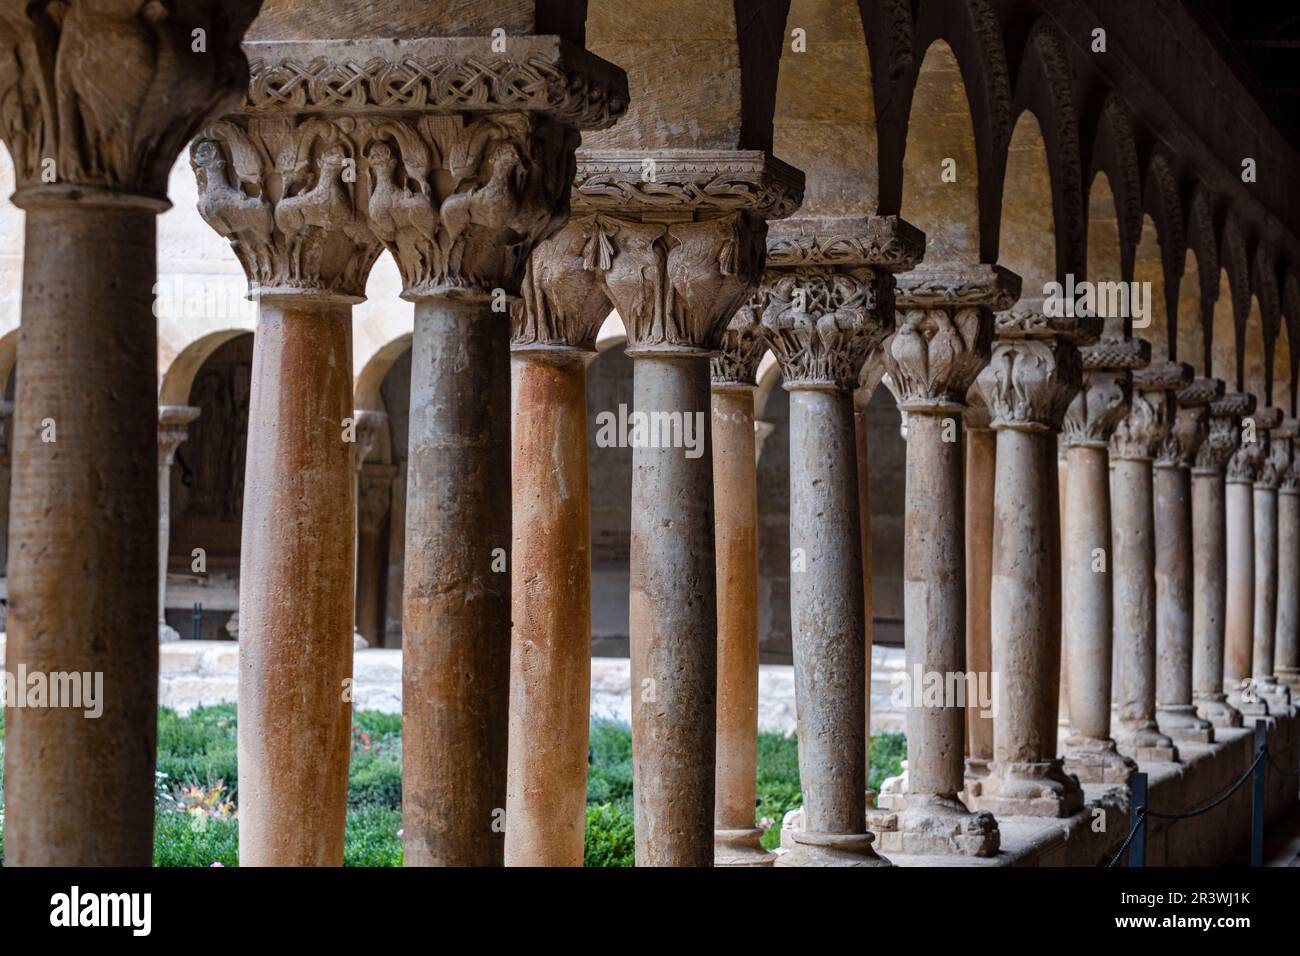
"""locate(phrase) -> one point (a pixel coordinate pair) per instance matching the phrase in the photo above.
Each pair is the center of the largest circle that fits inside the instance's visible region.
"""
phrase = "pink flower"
(218, 863)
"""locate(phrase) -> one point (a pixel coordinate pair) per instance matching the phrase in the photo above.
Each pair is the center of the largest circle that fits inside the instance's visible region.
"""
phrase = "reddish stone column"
(1209, 560)
(307, 252)
(1028, 384)
(735, 495)
(1175, 712)
(554, 334)
(1087, 617)
(943, 339)
(93, 138)
(173, 424)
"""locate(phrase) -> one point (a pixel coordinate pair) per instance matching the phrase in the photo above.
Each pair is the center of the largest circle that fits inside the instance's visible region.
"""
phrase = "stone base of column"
(1290, 677)
(933, 825)
(1275, 694)
(1218, 711)
(1182, 725)
(740, 848)
(1027, 790)
(167, 633)
(831, 849)
(977, 768)
(1144, 743)
(892, 791)
(1258, 707)
(1095, 760)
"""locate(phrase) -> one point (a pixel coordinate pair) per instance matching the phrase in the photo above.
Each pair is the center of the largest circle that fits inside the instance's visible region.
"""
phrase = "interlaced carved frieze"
(536, 74)
(886, 241)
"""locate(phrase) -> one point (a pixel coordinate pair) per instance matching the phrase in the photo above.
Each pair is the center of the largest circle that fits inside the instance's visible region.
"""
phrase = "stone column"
(1239, 612)
(677, 260)
(822, 322)
(1087, 555)
(1274, 461)
(1175, 712)
(464, 163)
(99, 99)
(6, 474)
(302, 239)
(369, 423)
(553, 337)
(1033, 375)
(981, 458)
(945, 322)
(173, 425)
(1287, 647)
(1133, 448)
(374, 503)
(1209, 560)
(735, 495)
(863, 449)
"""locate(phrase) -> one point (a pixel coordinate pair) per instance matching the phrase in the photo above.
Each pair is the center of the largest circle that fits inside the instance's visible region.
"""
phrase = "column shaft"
(1264, 621)
(862, 444)
(1239, 605)
(672, 622)
(1209, 576)
(735, 494)
(550, 689)
(456, 607)
(1287, 661)
(981, 457)
(296, 567)
(84, 506)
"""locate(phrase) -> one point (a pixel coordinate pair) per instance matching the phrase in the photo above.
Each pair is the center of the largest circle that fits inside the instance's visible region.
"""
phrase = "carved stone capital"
(1034, 372)
(823, 321)
(535, 74)
(564, 300)
(1244, 464)
(1096, 411)
(289, 196)
(1142, 433)
(173, 429)
(1116, 353)
(743, 344)
(1223, 437)
(1288, 475)
(374, 496)
(1025, 321)
(685, 184)
(368, 428)
(103, 96)
(944, 335)
(1250, 462)
(886, 241)
(1274, 464)
(1191, 427)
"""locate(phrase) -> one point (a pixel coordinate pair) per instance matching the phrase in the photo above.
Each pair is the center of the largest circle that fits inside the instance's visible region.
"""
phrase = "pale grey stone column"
(945, 322)
(1273, 462)
(1133, 448)
(1175, 712)
(1286, 664)
(1093, 415)
(822, 321)
(1209, 559)
(1028, 384)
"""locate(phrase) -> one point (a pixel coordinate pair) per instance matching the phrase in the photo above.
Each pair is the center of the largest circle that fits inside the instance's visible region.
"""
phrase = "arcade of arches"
(373, 279)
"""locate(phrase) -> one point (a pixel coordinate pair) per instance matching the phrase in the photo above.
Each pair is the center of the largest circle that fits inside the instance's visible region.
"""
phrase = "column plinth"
(1175, 711)
(945, 323)
(822, 322)
(1033, 375)
(1133, 448)
(100, 99)
(1209, 559)
(735, 495)
(1093, 415)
